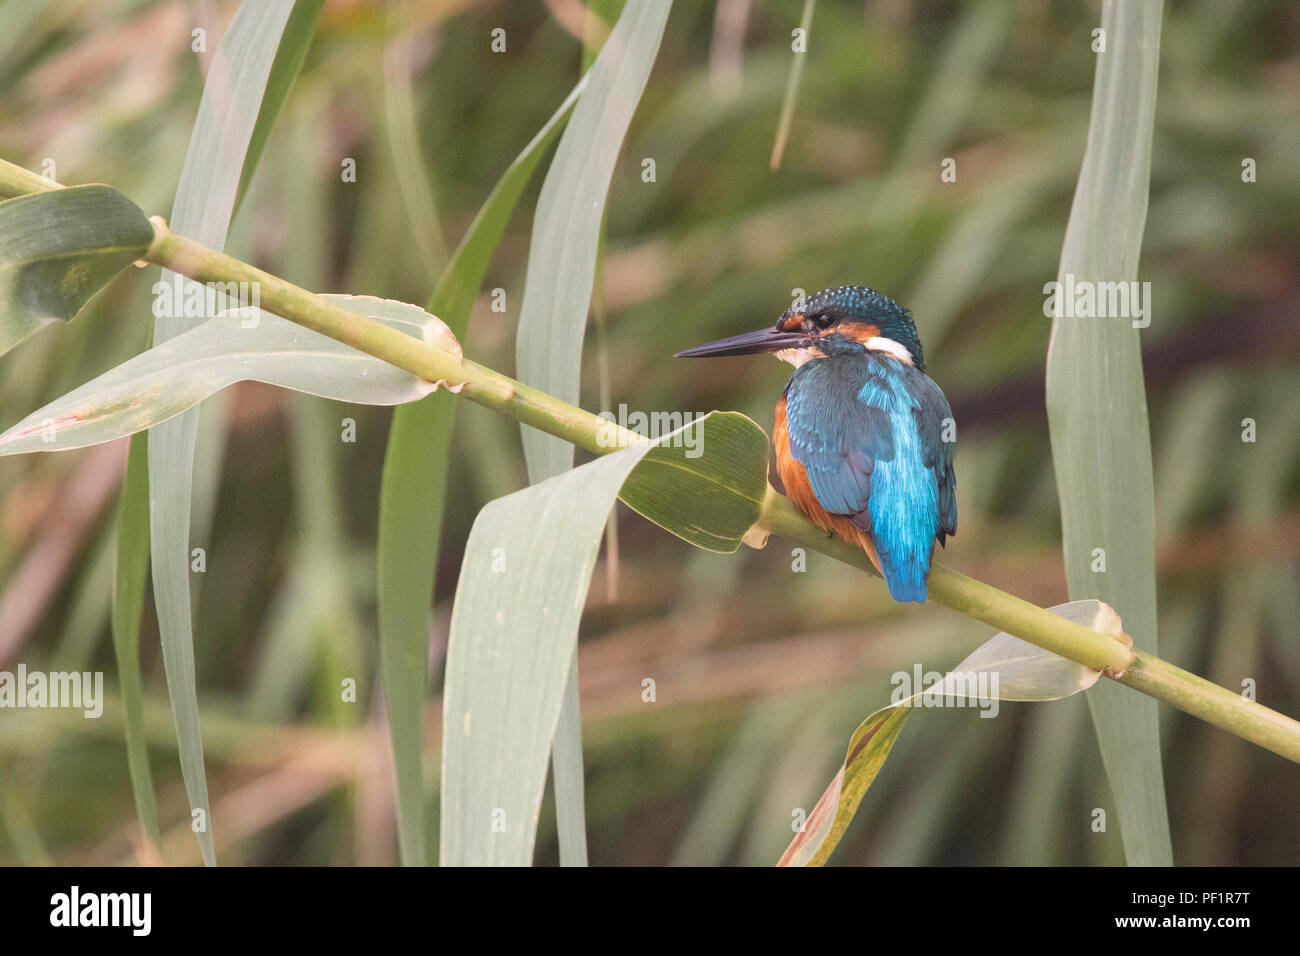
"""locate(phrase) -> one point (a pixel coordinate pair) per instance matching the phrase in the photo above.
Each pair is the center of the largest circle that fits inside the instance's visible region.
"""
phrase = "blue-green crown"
(858, 304)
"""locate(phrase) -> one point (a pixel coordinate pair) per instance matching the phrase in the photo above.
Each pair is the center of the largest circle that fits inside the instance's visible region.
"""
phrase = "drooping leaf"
(1096, 405)
(514, 626)
(59, 248)
(236, 346)
(413, 492)
(1003, 668)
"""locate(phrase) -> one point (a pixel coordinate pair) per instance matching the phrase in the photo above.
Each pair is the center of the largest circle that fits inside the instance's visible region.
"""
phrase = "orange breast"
(799, 490)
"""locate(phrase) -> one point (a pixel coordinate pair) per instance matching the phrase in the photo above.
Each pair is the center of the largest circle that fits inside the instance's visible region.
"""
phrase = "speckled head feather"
(846, 316)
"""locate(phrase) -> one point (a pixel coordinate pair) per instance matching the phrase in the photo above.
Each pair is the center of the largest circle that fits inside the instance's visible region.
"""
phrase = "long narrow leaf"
(566, 229)
(413, 493)
(514, 630)
(205, 201)
(792, 86)
(1096, 404)
(294, 41)
(561, 272)
(130, 572)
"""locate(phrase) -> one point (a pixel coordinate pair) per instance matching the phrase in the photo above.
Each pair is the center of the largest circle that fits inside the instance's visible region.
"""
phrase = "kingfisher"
(863, 437)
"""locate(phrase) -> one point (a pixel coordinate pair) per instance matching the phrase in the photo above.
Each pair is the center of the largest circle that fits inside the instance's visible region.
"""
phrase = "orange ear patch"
(858, 332)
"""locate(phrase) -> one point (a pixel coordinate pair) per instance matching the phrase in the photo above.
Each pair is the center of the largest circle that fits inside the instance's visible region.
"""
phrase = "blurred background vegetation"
(762, 673)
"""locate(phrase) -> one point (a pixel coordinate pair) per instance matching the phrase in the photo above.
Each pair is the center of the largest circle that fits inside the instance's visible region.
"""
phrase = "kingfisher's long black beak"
(771, 339)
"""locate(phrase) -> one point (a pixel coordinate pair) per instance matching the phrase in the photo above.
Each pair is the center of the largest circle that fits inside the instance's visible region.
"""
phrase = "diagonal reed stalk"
(1140, 671)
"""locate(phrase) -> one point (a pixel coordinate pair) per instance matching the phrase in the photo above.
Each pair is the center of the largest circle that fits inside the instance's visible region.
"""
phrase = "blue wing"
(933, 416)
(869, 433)
(836, 437)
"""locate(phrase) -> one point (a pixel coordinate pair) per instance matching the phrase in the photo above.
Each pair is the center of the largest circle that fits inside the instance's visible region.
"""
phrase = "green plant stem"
(1214, 704)
(1143, 672)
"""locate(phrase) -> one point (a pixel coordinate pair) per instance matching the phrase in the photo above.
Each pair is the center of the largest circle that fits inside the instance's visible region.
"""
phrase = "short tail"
(907, 578)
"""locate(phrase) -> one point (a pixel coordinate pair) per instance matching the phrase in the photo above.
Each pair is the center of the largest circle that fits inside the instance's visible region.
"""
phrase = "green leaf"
(413, 493)
(295, 41)
(557, 289)
(567, 776)
(514, 630)
(401, 131)
(130, 572)
(1096, 404)
(709, 500)
(240, 345)
(59, 248)
(233, 100)
(792, 87)
(1012, 670)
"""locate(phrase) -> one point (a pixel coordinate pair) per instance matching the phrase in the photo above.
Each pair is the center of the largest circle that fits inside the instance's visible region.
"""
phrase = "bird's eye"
(824, 321)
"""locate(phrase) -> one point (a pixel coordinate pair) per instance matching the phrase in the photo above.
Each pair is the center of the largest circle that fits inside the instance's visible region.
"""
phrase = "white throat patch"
(797, 357)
